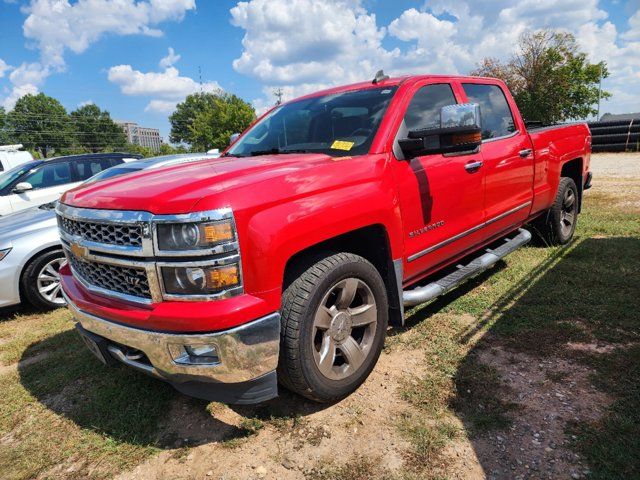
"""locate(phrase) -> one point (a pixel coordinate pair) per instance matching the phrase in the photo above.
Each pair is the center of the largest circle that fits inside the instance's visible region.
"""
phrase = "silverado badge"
(426, 228)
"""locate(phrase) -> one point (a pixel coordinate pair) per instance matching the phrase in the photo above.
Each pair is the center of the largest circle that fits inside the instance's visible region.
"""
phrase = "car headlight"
(3, 253)
(204, 280)
(194, 236)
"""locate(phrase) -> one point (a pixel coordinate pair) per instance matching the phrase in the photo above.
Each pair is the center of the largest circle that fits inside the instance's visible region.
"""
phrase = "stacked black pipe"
(615, 136)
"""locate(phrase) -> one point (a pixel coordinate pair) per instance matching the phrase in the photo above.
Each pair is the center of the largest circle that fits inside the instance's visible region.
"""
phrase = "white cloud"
(168, 86)
(3, 67)
(18, 91)
(57, 25)
(170, 60)
(304, 45)
(85, 103)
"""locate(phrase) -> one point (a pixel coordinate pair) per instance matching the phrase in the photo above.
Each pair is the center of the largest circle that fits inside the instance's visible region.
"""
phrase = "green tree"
(166, 149)
(94, 130)
(40, 123)
(4, 135)
(550, 79)
(207, 120)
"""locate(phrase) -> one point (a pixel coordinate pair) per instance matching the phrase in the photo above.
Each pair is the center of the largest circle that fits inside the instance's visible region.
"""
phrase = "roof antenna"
(380, 77)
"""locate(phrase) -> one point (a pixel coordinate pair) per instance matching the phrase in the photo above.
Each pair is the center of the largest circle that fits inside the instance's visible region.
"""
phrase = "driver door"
(441, 196)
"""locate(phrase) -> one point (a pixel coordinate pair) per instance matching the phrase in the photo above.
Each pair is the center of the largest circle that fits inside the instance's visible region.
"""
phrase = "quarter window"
(497, 120)
(424, 109)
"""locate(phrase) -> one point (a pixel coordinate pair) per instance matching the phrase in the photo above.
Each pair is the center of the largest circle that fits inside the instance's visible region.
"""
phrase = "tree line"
(41, 123)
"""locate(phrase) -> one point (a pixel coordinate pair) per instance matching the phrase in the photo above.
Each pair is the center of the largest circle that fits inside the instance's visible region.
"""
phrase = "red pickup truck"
(285, 260)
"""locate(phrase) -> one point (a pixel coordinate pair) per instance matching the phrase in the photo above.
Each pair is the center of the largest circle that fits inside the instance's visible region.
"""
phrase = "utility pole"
(200, 78)
(599, 93)
(278, 94)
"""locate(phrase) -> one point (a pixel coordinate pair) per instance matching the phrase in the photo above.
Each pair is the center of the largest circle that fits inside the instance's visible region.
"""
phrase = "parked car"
(41, 181)
(286, 258)
(11, 156)
(30, 249)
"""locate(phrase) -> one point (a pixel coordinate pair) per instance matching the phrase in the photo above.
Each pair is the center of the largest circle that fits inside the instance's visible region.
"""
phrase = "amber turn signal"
(218, 232)
(475, 137)
(223, 277)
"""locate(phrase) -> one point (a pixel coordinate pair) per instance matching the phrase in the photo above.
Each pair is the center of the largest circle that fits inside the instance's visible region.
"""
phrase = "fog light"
(204, 354)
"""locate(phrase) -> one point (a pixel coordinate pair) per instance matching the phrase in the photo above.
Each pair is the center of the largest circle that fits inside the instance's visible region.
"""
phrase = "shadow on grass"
(590, 294)
(130, 407)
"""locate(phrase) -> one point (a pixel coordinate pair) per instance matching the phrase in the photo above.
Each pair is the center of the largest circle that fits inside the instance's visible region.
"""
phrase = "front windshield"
(338, 124)
(8, 177)
(112, 172)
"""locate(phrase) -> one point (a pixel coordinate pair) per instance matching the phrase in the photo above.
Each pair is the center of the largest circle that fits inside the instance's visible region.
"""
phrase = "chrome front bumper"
(245, 354)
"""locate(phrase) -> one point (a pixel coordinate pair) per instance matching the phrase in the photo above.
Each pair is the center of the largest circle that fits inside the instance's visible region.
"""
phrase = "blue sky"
(137, 59)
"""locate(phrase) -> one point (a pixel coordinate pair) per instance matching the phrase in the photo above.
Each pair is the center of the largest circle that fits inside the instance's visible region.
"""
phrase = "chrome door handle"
(472, 166)
(526, 152)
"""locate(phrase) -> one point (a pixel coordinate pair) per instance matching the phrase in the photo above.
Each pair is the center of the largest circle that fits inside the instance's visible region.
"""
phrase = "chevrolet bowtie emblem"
(78, 250)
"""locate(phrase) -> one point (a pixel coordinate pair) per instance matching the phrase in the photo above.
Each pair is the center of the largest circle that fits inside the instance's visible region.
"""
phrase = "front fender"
(277, 233)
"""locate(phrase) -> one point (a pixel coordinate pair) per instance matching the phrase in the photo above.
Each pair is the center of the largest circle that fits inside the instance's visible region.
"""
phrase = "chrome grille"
(107, 233)
(116, 278)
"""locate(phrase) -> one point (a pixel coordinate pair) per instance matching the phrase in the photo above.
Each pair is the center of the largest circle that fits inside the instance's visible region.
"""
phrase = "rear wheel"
(559, 225)
(334, 319)
(40, 282)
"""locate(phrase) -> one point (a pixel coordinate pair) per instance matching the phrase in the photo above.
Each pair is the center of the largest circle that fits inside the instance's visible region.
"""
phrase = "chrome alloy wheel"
(344, 328)
(568, 211)
(48, 282)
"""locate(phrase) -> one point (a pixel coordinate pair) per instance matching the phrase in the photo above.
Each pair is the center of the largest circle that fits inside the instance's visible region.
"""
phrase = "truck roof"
(390, 82)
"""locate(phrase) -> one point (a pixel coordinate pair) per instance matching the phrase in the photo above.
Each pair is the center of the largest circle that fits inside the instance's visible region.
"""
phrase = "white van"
(11, 156)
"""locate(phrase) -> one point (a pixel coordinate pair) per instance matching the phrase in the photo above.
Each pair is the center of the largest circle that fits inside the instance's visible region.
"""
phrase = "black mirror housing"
(460, 139)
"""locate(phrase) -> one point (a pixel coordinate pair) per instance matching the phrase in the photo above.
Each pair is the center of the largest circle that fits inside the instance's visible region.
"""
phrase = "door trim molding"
(449, 240)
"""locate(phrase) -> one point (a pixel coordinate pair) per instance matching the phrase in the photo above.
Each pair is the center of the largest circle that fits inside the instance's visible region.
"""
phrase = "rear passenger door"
(507, 155)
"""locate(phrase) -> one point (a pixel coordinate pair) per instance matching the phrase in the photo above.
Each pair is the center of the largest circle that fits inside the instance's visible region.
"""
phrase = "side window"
(424, 109)
(497, 120)
(88, 168)
(49, 175)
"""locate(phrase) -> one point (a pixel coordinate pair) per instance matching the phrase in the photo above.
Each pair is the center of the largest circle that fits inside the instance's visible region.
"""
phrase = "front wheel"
(334, 319)
(40, 282)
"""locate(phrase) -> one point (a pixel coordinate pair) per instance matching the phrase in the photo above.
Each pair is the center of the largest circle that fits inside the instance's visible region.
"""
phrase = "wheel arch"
(372, 243)
(573, 169)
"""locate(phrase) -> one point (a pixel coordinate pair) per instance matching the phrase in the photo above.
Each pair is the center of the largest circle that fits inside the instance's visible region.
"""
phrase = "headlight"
(193, 236)
(203, 280)
(3, 253)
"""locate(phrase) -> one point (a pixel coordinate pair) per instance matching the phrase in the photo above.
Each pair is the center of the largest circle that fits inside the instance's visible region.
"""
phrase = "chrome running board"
(419, 295)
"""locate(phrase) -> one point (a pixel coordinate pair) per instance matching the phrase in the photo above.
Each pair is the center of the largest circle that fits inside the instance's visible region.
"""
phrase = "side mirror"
(233, 138)
(22, 187)
(460, 131)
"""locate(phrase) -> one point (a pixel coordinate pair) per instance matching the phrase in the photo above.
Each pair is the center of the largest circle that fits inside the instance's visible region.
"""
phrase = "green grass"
(63, 414)
(535, 302)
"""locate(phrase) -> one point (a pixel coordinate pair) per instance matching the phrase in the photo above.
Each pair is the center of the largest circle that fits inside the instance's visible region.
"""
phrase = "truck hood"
(177, 189)
(33, 220)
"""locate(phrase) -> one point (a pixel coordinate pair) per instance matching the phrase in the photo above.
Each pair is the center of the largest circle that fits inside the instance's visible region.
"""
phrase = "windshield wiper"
(276, 151)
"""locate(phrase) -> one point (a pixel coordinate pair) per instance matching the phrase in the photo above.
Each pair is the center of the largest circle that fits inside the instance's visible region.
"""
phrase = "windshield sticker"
(385, 92)
(342, 145)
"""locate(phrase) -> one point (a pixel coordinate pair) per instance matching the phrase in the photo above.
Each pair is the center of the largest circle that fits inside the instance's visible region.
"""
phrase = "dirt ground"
(546, 394)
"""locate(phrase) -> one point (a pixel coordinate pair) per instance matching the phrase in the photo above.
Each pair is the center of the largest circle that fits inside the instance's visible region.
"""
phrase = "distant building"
(610, 117)
(145, 137)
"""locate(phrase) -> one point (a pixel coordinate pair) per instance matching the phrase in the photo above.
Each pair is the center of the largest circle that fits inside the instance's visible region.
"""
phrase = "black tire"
(29, 280)
(298, 370)
(553, 225)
